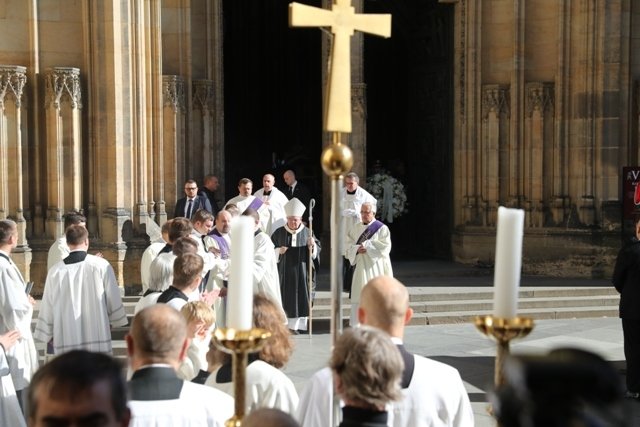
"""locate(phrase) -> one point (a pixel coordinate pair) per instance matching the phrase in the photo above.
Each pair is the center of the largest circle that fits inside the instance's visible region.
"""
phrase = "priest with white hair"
(296, 248)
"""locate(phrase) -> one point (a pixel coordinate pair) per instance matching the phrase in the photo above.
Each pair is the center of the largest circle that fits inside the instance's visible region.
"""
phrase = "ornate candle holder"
(503, 330)
(239, 344)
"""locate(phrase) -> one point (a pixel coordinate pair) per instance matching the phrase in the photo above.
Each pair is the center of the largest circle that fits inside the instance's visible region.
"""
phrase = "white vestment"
(436, 397)
(351, 204)
(265, 269)
(208, 258)
(267, 387)
(276, 217)
(146, 301)
(218, 274)
(15, 313)
(57, 252)
(375, 262)
(10, 412)
(148, 256)
(80, 302)
(197, 406)
(243, 202)
(195, 359)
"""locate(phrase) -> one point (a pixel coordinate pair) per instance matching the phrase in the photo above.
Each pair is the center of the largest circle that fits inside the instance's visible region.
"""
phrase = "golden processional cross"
(343, 21)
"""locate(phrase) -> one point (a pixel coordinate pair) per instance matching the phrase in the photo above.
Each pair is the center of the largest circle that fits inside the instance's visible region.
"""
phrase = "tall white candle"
(240, 292)
(506, 280)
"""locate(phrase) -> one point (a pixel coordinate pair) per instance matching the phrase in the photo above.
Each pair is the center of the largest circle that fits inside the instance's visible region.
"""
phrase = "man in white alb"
(219, 242)
(81, 300)
(433, 393)
(16, 310)
(245, 200)
(59, 249)
(274, 201)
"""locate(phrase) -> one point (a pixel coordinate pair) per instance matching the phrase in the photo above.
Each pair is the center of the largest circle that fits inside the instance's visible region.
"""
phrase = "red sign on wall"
(630, 191)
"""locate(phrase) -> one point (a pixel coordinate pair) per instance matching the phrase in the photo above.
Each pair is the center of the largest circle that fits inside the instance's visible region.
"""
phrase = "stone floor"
(463, 347)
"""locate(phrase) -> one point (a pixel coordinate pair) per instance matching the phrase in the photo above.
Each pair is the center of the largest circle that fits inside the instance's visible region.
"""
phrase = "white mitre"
(294, 207)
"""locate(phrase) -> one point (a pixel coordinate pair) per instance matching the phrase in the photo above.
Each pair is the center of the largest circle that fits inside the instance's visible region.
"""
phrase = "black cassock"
(293, 269)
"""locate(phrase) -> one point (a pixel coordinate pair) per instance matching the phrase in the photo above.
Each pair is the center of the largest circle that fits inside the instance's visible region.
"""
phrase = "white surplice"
(243, 202)
(436, 397)
(351, 204)
(265, 269)
(198, 406)
(375, 262)
(267, 387)
(80, 302)
(148, 256)
(217, 275)
(10, 412)
(57, 252)
(15, 313)
(276, 217)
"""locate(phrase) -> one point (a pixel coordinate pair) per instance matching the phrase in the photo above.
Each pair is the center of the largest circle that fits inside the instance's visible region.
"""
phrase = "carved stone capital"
(495, 99)
(203, 95)
(540, 97)
(173, 92)
(12, 81)
(63, 84)
(359, 99)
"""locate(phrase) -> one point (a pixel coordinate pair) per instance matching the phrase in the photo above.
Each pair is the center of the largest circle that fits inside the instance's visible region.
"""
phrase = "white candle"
(240, 291)
(506, 280)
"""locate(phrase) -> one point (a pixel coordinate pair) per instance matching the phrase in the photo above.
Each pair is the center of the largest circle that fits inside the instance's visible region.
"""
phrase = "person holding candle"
(626, 280)
(367, 248)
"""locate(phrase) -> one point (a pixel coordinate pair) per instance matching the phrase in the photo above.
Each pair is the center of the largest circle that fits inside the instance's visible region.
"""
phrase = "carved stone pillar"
(172, 166)
(495, 152)
(203, 130)
(12, 177)
(63, 142)
(538, 150)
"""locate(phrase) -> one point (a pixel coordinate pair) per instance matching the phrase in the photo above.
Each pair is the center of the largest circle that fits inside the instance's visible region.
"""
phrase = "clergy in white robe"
(10, 412)
(16, 310)
(81, 300)
(265, 266)
(433, 392)
(295, 249)
(274, 201)
(367, 249)
(160, 279)
(219, 242)
(148, 256)
(267, 386)
(59, 249)
(156, 344)
(353, 196)
(244, 200)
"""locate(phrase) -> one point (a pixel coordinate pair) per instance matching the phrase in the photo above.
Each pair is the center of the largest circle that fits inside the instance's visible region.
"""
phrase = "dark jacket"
(200, 202)
(626, 279)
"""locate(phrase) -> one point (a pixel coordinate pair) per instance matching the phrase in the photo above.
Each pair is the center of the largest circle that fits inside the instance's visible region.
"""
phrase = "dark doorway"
(273, 95)
(409, 119)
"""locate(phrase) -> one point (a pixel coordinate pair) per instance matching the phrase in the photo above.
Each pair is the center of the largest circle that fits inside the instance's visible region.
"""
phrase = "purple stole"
(373, 227)
(222, 244)
(255, 204)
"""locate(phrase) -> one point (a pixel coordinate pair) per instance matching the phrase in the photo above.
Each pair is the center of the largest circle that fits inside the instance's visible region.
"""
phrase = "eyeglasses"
(190, 188)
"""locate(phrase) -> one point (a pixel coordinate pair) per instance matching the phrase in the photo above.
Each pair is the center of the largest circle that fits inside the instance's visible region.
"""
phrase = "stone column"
(538, 149)
(63, 142)
(172, 161)
(12, 178)
(203, 131)
(495, 152)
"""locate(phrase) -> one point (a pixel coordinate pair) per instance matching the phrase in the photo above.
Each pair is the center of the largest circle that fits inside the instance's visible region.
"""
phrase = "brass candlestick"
(503, 330)
(239, 344)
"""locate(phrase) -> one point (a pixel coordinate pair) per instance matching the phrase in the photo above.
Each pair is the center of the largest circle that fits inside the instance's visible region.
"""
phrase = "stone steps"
(433, 306)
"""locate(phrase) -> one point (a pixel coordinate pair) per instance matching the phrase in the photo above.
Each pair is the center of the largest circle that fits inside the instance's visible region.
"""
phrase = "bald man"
(156, 345)
(274, 200)
(433, 393)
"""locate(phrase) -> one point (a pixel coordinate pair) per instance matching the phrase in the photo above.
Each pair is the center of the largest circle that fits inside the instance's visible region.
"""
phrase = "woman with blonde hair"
(267, 385)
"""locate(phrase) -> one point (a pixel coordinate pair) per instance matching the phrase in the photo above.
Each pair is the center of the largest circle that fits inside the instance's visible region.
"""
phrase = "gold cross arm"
(343, 21)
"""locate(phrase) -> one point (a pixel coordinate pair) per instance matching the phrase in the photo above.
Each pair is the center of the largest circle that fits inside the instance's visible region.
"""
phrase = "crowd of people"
(175, 375)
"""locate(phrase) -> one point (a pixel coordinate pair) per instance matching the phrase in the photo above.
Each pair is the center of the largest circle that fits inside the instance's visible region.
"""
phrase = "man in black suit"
(297, 189)
(626, 279)
(156, 345)
(189, 205)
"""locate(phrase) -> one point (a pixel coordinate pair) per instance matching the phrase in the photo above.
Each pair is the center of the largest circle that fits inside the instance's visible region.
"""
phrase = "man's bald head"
(158, 334)
(384, 303)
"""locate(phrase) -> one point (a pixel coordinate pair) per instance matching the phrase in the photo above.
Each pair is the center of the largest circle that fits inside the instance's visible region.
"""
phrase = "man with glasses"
(189, 205)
